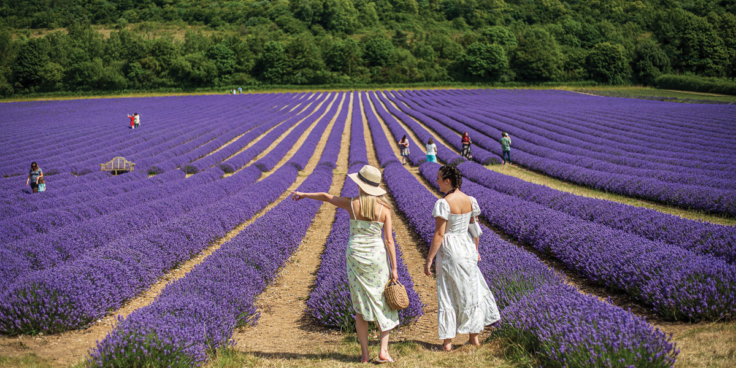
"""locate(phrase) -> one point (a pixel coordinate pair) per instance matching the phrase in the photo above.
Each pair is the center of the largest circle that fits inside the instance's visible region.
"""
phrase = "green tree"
(498, 35)
(273, 64)
(32, 58)
(194, 70)
(538, 57)
(224, 59)
(345, 56)
(484, 62)
(649, 62)
(608, 63)
(377, 50)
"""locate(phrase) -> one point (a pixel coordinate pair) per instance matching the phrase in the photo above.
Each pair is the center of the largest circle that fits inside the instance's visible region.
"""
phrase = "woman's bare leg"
(361, 327)
(383, 354)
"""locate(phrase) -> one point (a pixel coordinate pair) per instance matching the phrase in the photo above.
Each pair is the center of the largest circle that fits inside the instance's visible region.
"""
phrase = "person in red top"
(132, 121)
(466, 147)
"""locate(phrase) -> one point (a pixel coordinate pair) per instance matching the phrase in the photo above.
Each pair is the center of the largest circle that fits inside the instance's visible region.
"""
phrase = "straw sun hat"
(368, 179)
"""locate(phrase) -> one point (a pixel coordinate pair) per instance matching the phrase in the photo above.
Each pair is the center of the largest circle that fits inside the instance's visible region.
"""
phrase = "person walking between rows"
(137, 120)
(132, 121)
(404, 145)
(33, 176)
(505, 148)
(466, 147)
(466, 304)
(368, 267)
(431, 151)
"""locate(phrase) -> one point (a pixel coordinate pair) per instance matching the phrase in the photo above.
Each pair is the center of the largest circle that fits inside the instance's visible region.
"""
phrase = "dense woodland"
(317, 42)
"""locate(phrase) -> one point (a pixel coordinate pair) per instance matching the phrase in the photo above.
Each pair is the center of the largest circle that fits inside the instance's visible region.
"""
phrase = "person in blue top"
(33, 176)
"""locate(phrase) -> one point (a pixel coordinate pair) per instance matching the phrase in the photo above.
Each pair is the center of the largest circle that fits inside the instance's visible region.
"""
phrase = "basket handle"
(397, 282)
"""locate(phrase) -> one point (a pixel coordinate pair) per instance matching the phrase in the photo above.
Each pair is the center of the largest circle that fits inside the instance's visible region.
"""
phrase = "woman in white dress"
(466, 304)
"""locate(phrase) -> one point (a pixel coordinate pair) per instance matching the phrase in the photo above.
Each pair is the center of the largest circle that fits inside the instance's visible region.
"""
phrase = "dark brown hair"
(454, 175)
(430, 141)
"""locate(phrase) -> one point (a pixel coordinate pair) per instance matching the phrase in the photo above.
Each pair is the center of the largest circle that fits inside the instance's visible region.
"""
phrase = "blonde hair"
(368, 205)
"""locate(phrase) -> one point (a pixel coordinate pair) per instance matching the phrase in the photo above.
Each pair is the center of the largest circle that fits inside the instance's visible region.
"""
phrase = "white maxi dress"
(466, 304)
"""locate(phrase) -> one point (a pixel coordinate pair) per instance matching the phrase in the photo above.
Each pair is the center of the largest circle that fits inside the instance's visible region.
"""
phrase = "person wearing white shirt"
(137, 120)
(431, 151)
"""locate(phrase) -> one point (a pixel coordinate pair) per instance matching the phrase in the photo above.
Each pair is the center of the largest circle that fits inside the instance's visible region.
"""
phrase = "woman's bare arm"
(390, 246)
(342, 202)
(439, 234)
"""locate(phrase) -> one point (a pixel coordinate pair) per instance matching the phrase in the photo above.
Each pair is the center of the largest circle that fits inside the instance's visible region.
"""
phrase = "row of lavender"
(547, 137)
(525, 288)
(330, 301)
(703, 287)
(582, 331)
(43, 239)
(57, 209)
(198, 313)
(67, 292)
(485, 135)
(621, 259)
(539, 312)
(109, 140)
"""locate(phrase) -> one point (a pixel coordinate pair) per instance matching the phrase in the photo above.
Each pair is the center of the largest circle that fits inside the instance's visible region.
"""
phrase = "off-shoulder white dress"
(466, 304)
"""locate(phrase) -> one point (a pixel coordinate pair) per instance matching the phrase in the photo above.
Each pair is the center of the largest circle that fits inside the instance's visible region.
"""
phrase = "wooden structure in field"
(117, 164)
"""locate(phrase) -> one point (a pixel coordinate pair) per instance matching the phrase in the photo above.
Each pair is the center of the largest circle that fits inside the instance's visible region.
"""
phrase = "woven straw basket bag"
(396, 296)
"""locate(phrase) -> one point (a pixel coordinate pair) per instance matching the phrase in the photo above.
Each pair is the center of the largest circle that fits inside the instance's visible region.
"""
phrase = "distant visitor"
(33, 176)
(431, 151)
(404, 145)
(466, 147)
(506, 148)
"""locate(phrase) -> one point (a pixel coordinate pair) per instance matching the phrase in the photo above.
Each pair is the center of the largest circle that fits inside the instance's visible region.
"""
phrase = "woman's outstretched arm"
(439, 235)
(390, 245)
(342, 202)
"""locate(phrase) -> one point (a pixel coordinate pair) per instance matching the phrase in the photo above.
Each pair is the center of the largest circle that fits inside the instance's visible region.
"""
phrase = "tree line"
(308, 42)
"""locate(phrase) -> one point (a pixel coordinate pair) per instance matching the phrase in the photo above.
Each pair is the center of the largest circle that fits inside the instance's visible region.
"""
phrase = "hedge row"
(695, 84)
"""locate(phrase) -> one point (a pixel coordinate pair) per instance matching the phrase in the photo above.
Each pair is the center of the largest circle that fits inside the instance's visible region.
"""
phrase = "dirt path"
(284, 327)
(72, 347)
(425, 330)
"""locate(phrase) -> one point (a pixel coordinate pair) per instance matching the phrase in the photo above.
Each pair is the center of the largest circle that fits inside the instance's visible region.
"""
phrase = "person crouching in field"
(368, 269)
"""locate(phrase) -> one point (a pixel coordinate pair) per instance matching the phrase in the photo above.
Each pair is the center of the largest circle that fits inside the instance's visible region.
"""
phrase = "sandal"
(382, 361)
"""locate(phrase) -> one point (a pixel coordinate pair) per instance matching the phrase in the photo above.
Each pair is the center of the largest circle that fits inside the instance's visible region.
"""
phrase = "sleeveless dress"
(368, 272)
(466, 304)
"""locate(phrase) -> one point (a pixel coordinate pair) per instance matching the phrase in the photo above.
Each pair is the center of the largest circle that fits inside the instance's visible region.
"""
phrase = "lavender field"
(209, 193)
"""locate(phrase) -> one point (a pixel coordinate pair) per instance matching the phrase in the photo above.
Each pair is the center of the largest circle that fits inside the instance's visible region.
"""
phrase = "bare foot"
(385, 356)
(473, 340)
(447, 347)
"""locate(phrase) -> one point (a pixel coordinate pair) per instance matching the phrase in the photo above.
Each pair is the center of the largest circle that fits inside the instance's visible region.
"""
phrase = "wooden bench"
(117, 164)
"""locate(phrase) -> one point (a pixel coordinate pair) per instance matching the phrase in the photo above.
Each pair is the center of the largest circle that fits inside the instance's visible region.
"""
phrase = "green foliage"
(538, 57)
(650, 62)
(696, 84)
(377, 50)
(358, 42)
(607, 63)
(484, 62)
